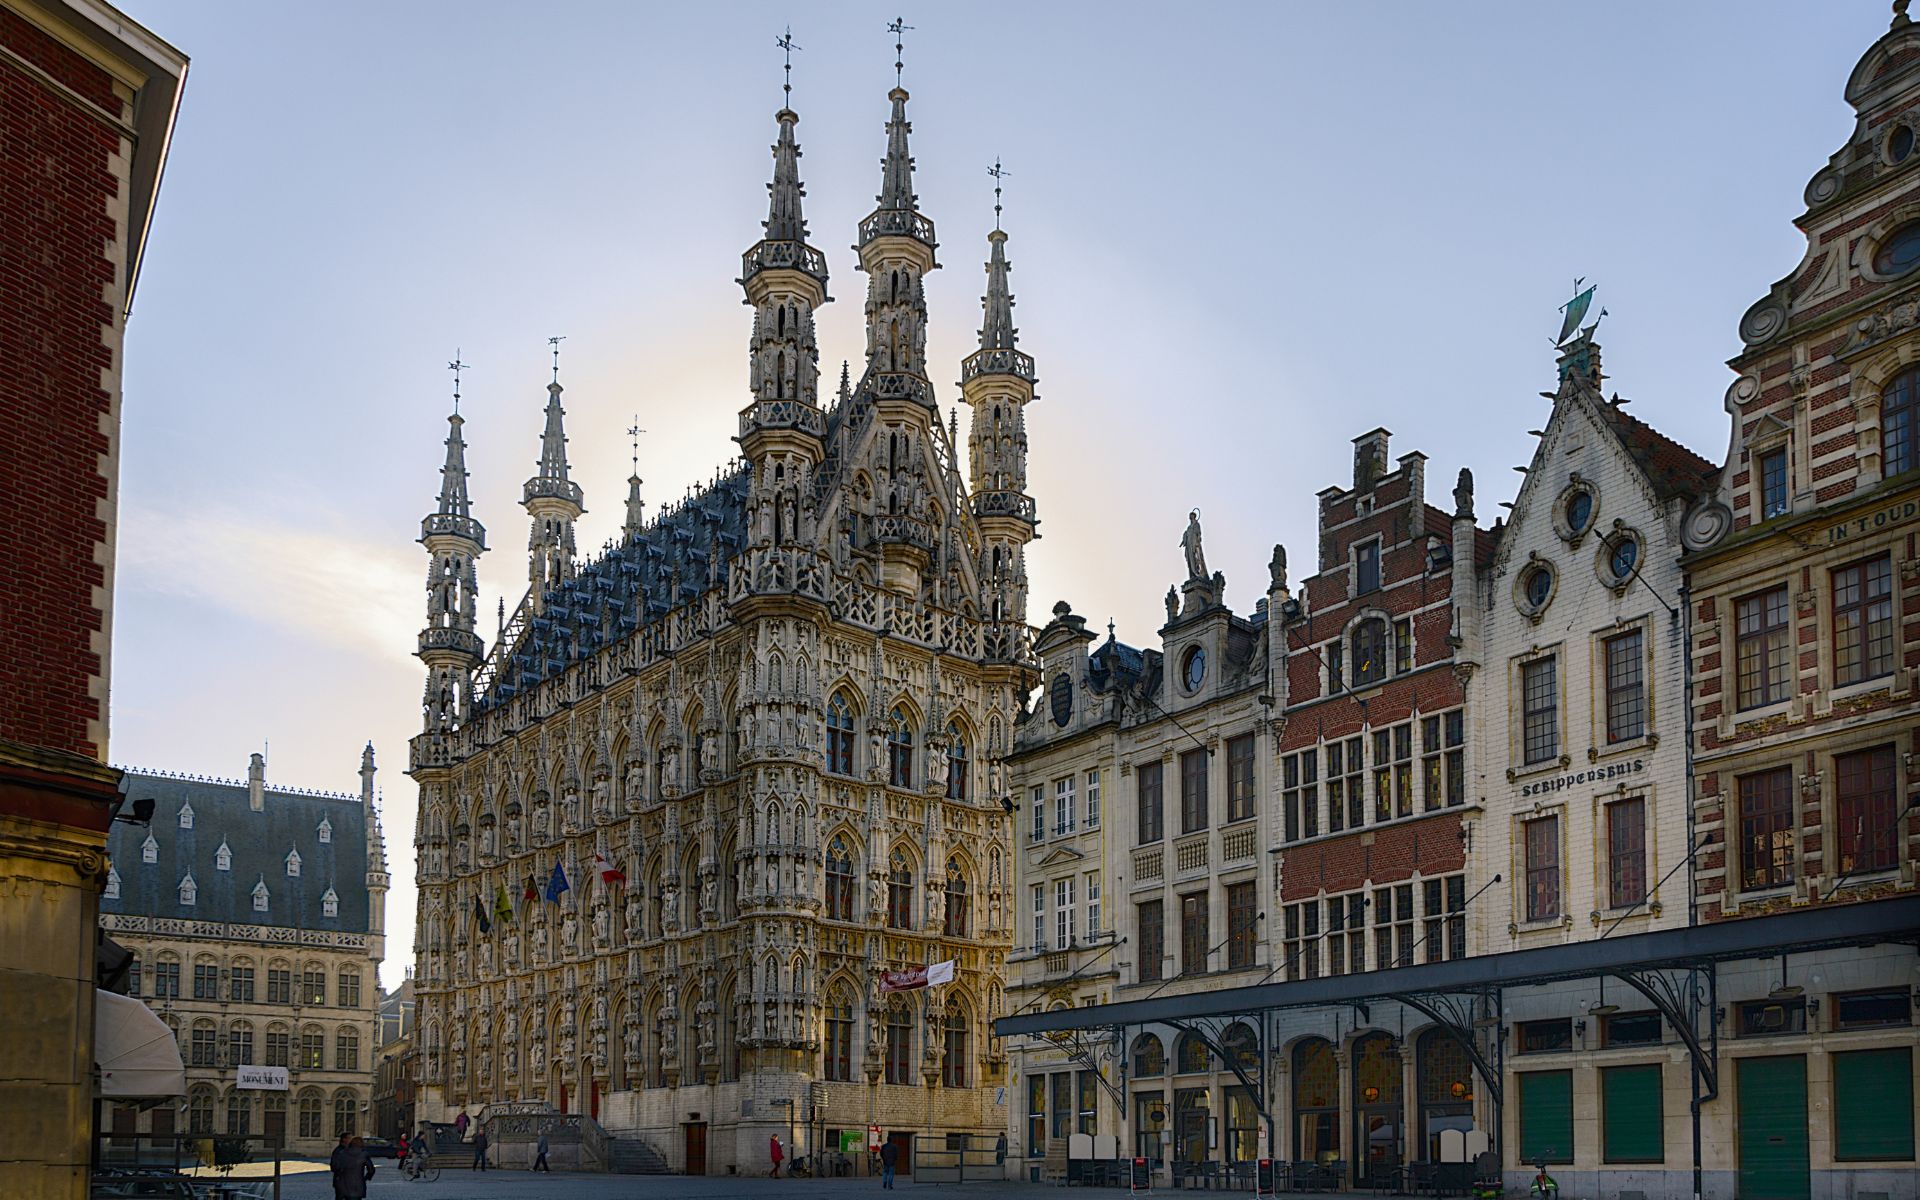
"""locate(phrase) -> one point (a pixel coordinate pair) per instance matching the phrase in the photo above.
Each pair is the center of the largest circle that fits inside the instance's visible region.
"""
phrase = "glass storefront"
(1446, 1088)
(1316, 1102)
(1378, 1107)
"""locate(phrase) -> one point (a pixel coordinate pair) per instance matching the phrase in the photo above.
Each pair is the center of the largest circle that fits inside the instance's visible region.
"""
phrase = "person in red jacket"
(773, 1148)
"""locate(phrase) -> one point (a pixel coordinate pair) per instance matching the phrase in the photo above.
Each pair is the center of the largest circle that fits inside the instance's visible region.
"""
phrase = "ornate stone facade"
(777, 710)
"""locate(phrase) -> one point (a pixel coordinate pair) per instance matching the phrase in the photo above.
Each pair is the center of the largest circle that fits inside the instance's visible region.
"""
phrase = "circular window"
(1900, 144)
(1623, 557)
(1061, 697)
(1193, 668)
(1579, 512)
(1899, 251)
(1537, 587)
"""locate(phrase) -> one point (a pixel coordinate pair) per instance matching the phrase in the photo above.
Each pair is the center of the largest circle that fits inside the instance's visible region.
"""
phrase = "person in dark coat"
(889, 1157)
(540, 1160)
(351, 1169)
(480, 1148)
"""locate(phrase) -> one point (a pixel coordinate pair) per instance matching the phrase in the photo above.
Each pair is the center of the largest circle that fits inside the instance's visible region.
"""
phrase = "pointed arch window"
(223, 857)
(957, 915)
(839, 880)
(953, 1066)
(900, 892)
(839, 735)
(837, 1065)
(957, 758)
(899, 1044)
(900, 751)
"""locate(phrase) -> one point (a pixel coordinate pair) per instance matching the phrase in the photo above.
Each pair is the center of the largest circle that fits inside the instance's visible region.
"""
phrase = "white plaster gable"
(326, 830)
(186, 815)
(293, 864)
(260, 896)
(113, 884)
(223, 857)
(149, 849)
(189, 890)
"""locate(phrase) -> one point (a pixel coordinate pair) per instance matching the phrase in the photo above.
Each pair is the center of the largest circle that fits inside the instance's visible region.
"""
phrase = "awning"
(134, 1050)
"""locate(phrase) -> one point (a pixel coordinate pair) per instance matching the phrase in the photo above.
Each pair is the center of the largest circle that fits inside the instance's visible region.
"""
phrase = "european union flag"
(556, 883)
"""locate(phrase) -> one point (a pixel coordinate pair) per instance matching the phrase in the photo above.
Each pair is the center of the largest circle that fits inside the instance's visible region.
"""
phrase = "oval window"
(1194, 668)
(1538, 587)
(1626, 554)
(1579, 511)
(1062, 698)
(1900, 144)
(1899, 251)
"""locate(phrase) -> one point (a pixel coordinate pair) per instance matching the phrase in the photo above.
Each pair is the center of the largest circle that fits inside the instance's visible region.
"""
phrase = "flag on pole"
(556, 883)
(939, 973)
(608, 872)
(480, 915)
(502, 907)
(532, 894)
(915, 978)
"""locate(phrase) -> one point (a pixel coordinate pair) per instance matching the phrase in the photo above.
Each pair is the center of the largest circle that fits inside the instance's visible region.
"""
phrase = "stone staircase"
(631, 1156)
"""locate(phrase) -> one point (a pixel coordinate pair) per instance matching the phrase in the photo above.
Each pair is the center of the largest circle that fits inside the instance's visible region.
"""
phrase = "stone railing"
(1236, 844)
(776, 256)
(997, 362)
(896, 222)
(1149, 864)
(1190, 854)
(782, 414)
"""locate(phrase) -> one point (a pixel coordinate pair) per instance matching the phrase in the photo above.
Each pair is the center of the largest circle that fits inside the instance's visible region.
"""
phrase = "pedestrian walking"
(773, 1148)
(401, 1156)
(540, 1160)
(480, 1148)
(460, 1125)
(889, 1155)
(350, 1168)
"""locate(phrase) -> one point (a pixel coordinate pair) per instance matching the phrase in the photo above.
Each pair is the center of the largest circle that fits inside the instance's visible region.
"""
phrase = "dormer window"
(186, 815)
(260, 896)
(223, 857)
(293, 864)
(149, 849)
(188, 890)
(330, 904)
(1366, 568)
(113, 884)
(326, 830)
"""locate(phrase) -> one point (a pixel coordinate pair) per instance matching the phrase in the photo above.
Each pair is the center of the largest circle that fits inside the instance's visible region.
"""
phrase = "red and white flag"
(914, 978)
(608, 872)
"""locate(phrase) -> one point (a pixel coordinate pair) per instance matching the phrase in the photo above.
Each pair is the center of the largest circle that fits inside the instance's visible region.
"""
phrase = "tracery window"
(900, 751)
(956, 921)
(840, 881)
(956, 763)
(900, 892)
(839, 735)
(899, 1044)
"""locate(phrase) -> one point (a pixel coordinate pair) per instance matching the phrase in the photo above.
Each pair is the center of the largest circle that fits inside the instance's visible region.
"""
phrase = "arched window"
(840, 886)
(839, 735)
(205, 1051)
(200, 1110)
(1446, 1088)
(344, 1113)
(349, 985)
(1149, 1057)
(899, 1044)
(310, 1108)
(1369, 651)
(1379, 1111)
(900, 752)
(729, 1035)
(957, 915)
(1316, 1101)
(1190, 1055)
(956, 763)
(346, 1049)
(838, 1061)
(900, 892)
(1899, 450)
(240, 1044)
(657, 1059)
(1241, 1047)
(239, 1112)
(953, 1066)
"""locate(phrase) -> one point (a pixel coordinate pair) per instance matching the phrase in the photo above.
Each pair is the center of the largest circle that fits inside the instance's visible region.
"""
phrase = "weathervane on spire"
(898, 28)
(555, 343)
(456, 366)
(634, 431)
(998, 174)
(1575, 311)
(788, 45)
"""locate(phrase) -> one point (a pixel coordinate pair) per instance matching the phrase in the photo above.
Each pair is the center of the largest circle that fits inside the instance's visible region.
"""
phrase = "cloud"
(286, 570)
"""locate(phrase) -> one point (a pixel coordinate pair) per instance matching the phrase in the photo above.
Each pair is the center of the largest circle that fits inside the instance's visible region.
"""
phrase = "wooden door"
(696, 1148)
(904, 1164)
(276, 1129)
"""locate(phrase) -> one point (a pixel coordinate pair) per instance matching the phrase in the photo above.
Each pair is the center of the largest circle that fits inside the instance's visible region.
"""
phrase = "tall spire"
(896, 169)
(453, 476)
(636, 507)
(554, 501)
(784, 222)
(553, 441)
(453, 539)
(996, 328)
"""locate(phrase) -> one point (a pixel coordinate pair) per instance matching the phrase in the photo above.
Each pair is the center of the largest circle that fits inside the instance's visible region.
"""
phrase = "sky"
(1241, 236)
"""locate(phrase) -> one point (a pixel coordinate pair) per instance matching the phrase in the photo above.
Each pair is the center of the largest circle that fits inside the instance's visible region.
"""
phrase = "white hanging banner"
(939, 973)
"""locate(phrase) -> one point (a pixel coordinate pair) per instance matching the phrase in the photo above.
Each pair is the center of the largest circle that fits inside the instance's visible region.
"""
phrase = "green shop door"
(1773, 1129)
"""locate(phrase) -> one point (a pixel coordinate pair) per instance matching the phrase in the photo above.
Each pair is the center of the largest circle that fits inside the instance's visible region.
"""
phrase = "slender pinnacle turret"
(784, 222)
(453, 475)
(454, 540)
(896, 169)
(636, 522)
(997, 381)
(553, 440)
(552, 500)
(996, 329)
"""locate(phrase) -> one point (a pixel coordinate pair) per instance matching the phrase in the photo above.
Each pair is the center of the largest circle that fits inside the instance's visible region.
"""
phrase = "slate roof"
(1673, 469)
(631, 585)
(259, 843)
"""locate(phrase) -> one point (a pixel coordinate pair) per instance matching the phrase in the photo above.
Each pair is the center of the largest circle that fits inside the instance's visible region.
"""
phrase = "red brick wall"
(56, 232)
(1388, 854)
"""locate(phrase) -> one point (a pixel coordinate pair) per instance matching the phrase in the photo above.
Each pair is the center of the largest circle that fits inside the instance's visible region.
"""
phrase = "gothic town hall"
(759, 739)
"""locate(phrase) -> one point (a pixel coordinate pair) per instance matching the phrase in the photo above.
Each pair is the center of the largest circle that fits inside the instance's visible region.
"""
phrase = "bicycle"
(419, 1168)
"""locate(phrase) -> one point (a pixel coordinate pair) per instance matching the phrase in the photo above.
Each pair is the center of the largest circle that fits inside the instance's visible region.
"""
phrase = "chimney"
(257, 782)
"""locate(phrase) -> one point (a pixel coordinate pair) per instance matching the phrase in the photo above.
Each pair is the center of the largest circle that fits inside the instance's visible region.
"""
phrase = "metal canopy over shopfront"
(1675, 969)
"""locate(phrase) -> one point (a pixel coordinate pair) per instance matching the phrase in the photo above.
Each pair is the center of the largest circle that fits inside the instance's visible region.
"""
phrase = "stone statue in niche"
(876, 752)
(537, 1057)
(670, 908)
(710, 754)
(513, 946)
(513, 832)
(602, 923)
(635, 918)
(602, 798)
(569, 933)
(540, 942)
(571, 802)
(486, 958)
(540, 817)
(636, 780)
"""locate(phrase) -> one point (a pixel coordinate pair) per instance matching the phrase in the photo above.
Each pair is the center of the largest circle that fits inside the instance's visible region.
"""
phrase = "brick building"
(87, 102)
(1805, 605)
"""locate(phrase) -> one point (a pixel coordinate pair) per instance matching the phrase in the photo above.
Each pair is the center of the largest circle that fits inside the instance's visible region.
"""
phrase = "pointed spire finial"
(634, 431)
(898, 28)
(456, 366)
(998, 172)
(788, 46)
(555, 343)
